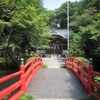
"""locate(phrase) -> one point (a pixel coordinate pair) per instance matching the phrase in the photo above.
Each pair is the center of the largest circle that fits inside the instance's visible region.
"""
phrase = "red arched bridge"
(55, 83)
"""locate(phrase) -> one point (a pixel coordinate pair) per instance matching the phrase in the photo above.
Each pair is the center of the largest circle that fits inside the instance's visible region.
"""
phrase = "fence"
(23, 77)
(86, 75)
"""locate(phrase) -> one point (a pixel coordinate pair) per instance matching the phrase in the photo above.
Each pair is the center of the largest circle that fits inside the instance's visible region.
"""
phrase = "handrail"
(25, 76)
(85, 74)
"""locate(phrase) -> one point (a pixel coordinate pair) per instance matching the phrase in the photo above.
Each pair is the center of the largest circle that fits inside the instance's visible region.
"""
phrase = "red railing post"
(72, 63)
(22, 77)
(37, 62)
(67, 62)
(40, 62)
(31, 66)
(90, 77)
(78, 72)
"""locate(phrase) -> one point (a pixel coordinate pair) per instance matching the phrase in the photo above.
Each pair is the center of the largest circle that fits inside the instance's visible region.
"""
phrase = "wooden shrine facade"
(58, 43)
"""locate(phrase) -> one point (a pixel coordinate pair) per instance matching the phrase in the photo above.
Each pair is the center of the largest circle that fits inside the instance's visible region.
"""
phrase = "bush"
(62, 66)
(84, 60)
(45, 66)
(97, 79)
(28, 58)
(26, 97)
(88, 97)
(2, 61)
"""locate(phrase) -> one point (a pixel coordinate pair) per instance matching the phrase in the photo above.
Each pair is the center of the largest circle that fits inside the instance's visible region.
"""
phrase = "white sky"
(53, 4)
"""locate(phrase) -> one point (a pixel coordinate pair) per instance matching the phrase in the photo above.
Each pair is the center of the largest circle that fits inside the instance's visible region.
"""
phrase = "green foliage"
(28, 58)
(61, 15)
(2, 61)
(62, 66)
(76, 45)
(97, 79)
(84, 60)
(88, 97)
(23, 26)
(29, 22)
(26, 97)
(3, 73)
(51, 15)
(84, 20)
(45, 66)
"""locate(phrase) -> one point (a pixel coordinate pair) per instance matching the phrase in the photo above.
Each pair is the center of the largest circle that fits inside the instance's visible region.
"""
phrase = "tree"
(76, 45)
(84, 27)
(24, 26)
(51, 18)
(62, 15)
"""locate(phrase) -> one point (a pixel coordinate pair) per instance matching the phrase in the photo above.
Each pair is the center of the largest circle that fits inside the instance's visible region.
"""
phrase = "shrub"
(62, 66)
(26, 97)
(88, 97)
(2, 61)
(28, 58)
(45, 66)
(84, 60)
(97, 79)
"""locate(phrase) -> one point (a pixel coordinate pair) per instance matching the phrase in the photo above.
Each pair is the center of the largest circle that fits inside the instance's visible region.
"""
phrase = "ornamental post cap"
(22, 61)
(90, 61)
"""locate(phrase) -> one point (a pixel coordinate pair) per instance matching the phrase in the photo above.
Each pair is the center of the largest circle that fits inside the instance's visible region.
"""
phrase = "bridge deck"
(56, 84)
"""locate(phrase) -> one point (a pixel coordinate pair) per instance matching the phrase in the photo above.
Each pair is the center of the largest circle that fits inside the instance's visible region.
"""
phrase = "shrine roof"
(60, 32)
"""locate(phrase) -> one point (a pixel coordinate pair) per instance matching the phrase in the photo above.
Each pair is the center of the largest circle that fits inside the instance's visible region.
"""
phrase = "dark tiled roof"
(61, 32)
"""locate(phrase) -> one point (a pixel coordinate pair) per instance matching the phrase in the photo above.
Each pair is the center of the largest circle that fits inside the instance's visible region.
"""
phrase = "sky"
(53, 4)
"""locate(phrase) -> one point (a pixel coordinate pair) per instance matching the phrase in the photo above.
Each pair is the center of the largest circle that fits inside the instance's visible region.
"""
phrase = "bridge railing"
(23, 77)
(86, 75)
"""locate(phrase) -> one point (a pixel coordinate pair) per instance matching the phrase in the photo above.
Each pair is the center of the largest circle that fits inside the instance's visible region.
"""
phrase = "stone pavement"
(54, 62)
(55, 83)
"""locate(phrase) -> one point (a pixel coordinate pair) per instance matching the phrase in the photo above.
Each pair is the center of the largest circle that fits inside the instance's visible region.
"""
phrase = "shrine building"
(58, 43)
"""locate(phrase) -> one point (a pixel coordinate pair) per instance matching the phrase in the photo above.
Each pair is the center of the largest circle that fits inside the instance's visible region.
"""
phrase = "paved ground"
(55, 83)
(54, 62)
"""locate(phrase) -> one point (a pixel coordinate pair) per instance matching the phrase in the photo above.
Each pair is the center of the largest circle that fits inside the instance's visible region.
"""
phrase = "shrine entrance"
(57, 45)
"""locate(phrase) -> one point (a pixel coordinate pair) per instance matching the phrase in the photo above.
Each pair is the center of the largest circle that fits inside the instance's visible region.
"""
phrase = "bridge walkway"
(55, 83)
